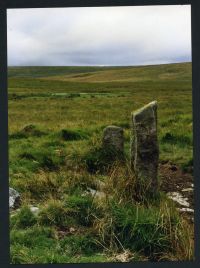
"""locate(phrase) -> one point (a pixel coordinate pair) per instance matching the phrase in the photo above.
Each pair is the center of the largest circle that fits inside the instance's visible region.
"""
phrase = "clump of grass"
(28, 131)
(32, 130)
(73, 210)
(135, 221)
(124, 185)
(24, 219)
(77, 183)
(55, 213)
(101, 159)
(40, 186)
(83, 208)
(42, 158)
(121, 182)
(81, 244)
(49, 163)
(153, 231)
(70, 135)
(27, 155)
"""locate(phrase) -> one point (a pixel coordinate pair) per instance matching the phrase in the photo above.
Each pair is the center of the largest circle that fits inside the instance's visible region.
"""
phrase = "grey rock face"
(144, 145)
(114, 136)
(14, 198)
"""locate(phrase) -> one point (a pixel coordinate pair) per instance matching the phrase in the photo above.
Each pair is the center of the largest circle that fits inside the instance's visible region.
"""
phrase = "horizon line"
(101, 65)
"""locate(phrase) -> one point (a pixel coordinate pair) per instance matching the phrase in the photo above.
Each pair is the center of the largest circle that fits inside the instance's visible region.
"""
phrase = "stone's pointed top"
(149, 105)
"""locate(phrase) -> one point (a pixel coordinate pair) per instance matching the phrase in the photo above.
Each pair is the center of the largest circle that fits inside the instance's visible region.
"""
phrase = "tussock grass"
(153, 232)
(27, 131)
(81, 244)
(55, 213)
(99, 159)
(24, 219)
(152, 227)
(84, 209)
(74, 210)
(69, 135)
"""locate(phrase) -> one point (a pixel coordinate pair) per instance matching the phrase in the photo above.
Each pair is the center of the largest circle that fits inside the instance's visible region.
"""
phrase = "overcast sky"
(99, 36)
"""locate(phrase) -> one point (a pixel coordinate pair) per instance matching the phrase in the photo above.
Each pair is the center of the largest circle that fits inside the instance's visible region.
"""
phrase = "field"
(56, 119)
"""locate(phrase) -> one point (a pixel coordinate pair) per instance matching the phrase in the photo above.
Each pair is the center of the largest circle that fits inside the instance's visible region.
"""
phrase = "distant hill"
(180, 71)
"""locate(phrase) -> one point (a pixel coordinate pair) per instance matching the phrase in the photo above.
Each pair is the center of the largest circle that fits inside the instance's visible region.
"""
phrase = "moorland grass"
(56, 120)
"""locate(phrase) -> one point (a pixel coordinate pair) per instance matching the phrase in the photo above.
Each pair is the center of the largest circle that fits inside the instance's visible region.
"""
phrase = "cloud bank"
(99, 36)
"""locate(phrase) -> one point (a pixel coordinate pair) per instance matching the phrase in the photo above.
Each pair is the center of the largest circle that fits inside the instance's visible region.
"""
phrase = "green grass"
(56, 120)
(24, 219)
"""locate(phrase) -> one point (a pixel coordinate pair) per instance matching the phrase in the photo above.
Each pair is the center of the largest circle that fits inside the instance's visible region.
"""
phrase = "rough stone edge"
(140, 110)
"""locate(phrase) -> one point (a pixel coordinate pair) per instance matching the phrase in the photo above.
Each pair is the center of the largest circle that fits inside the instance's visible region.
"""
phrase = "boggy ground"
(56, 119)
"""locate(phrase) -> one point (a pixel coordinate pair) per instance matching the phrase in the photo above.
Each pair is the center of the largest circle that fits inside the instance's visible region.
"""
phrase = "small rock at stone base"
(14, 199)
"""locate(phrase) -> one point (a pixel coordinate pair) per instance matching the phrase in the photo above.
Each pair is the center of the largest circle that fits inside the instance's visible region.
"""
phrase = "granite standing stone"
(114, 136)
(144, 145)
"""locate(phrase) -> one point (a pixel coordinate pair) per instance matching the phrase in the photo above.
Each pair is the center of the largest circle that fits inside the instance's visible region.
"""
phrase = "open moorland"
(89, 210)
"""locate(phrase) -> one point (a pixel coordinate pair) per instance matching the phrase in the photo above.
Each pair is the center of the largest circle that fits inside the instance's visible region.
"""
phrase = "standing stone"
(144, 146)
(113, 136)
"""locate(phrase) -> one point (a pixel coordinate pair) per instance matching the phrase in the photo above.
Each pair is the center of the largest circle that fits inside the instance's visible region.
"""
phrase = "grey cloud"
(99, 36)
